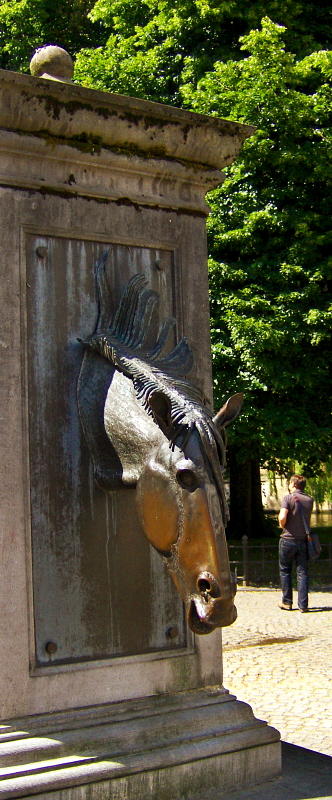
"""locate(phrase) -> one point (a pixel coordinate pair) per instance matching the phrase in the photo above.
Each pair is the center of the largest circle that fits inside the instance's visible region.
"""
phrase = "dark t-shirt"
(294, 527)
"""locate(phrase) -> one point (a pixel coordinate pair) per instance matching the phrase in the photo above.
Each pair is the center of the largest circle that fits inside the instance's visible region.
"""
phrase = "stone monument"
(106, 690)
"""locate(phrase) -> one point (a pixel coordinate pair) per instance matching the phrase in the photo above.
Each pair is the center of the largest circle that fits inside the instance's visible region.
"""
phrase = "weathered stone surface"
(186, 745)
(63, 150)
(80, 171)
(46, 220)
(157, 154)
(52, 62)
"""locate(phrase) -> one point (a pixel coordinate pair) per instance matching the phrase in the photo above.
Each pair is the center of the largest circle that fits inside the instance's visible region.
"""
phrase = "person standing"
(295, 508)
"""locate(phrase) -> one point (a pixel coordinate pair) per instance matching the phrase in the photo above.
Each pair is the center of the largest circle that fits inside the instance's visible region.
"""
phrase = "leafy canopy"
(28, 24)
(151, 43)
(270, 238)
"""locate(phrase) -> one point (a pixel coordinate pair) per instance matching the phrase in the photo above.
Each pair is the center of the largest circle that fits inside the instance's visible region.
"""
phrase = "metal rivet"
(172, 632)
(51, 648)
(41, 252)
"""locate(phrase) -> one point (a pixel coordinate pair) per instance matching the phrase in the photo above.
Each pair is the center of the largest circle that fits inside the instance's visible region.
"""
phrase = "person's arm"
(310, 512)
(282, 517)
(283, 513)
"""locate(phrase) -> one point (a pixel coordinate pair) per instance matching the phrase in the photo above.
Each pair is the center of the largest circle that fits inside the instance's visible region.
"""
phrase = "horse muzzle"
(207, 608)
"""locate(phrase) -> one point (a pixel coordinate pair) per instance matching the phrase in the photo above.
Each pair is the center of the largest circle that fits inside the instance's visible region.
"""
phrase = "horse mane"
(127, 340)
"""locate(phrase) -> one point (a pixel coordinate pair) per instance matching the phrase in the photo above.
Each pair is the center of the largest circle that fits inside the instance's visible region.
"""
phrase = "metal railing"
(258, 564)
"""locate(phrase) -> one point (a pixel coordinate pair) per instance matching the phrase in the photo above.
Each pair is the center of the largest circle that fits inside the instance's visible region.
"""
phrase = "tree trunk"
(246, 509)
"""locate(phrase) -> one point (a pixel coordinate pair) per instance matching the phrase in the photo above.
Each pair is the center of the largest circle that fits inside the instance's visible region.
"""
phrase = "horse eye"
(187, 479)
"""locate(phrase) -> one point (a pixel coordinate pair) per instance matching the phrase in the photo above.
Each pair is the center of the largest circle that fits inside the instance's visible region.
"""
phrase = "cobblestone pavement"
(280, 663)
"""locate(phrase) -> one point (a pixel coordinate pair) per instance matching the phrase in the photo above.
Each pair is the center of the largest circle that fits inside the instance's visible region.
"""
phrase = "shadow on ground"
(306, 775)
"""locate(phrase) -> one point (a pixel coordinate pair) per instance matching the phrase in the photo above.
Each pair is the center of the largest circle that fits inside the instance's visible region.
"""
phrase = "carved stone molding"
(186, 743)
(109, 146)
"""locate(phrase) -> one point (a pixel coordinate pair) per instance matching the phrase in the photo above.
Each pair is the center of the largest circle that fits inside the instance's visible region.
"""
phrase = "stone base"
(171, 747)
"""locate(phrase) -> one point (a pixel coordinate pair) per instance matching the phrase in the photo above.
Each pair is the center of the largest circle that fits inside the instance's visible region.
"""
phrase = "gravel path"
(280, 663)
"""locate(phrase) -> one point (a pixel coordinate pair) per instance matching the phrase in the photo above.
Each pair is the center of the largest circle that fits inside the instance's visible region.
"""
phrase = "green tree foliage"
(269, 233)
(28, 24)
(320, 485)
(150, 43)
(270, 244)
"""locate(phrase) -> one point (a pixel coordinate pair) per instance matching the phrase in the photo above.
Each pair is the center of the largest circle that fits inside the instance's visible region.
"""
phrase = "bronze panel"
(99, 589)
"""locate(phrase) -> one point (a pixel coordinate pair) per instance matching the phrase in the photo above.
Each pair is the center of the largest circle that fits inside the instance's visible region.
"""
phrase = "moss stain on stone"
(182, 674)
(53, 106)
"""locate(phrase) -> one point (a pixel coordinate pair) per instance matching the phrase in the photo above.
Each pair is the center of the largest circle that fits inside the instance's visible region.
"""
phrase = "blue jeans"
(291, 552)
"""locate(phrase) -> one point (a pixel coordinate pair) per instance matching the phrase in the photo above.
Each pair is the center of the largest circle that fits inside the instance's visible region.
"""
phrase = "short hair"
(298, 481)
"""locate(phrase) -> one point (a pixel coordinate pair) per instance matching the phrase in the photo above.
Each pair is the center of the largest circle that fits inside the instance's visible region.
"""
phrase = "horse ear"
(161, 408)
(229, 411)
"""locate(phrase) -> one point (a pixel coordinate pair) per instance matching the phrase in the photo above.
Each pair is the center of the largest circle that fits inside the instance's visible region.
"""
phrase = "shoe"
(285, 606)
(303, 610)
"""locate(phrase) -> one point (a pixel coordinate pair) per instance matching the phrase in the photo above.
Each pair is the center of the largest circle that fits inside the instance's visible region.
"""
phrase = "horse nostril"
(208, 586)
(203, 585)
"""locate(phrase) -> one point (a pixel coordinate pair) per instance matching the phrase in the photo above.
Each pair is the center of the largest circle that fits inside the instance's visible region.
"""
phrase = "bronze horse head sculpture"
(166, 443)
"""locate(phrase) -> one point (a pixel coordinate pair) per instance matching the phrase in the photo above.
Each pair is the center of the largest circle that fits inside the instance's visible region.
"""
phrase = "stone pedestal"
(185, 745)
(80, 172)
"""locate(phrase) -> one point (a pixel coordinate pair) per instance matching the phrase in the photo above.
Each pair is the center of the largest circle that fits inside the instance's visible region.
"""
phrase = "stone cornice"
(110, 146)
(110, 120)
(33, 163)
